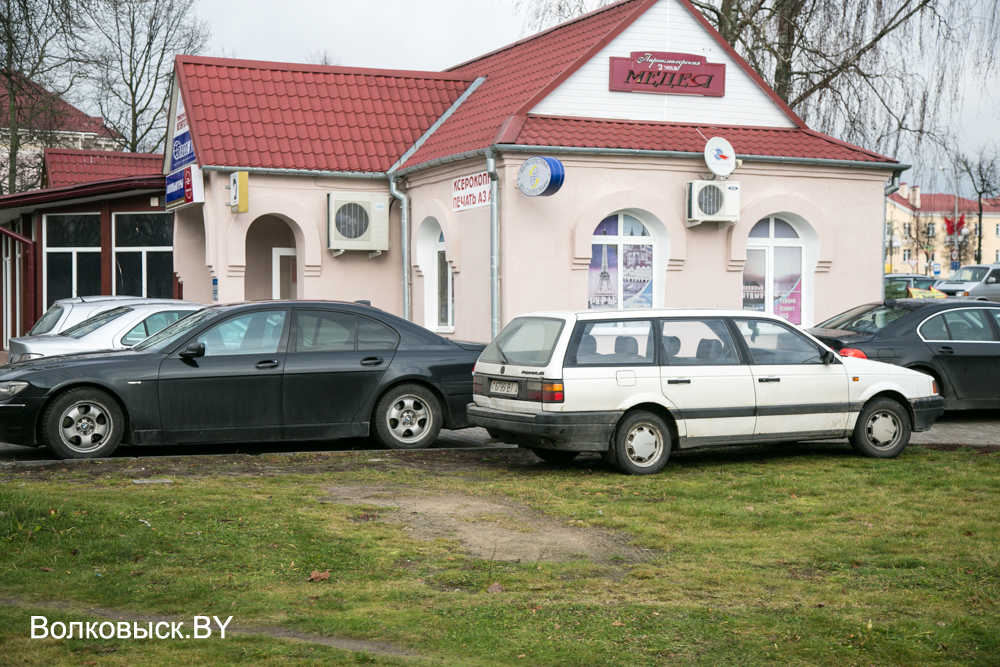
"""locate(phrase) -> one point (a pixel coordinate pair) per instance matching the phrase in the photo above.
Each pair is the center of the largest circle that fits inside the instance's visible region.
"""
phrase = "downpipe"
(404, 240)
(491, 169)
(887, 252)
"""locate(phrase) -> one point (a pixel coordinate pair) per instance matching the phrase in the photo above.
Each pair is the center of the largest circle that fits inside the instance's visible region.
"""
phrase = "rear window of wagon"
(526, 341)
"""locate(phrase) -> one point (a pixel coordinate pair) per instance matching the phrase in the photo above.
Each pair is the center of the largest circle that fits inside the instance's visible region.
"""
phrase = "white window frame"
(906, 255)
(449, 326)
(619, 241)
(115, 249)
(931, 229)
(73, 250)
(768, 245)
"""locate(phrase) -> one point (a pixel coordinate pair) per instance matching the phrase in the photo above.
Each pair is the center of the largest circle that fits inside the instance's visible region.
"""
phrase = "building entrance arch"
(271, 264)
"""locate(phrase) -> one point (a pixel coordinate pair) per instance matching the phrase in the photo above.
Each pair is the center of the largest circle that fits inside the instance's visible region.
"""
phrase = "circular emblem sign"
(720, 156)
(540, 176)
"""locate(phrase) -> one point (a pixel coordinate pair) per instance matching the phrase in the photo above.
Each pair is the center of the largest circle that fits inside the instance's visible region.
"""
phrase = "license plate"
(499, 387)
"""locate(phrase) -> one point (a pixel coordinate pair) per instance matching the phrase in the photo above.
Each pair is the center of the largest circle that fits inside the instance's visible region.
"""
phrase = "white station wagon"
(633, 386)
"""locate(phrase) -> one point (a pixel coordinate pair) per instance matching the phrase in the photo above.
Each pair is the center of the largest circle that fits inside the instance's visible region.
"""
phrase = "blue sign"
(175, 189)
(182, 150)
(541, 176)
(215, 289)
(937, 269)
(954, 266)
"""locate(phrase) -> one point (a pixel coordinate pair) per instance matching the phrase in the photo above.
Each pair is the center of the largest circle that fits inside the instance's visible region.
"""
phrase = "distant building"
(916, 233)
(44, 121)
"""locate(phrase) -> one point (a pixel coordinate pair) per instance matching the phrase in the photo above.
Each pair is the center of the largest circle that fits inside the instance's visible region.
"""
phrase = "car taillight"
(546, 391)
(852, 352)
(477, 384)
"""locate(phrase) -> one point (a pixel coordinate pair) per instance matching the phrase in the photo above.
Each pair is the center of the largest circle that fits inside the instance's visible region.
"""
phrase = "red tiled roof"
(516, 73)
(764, 141)
(285, 116)
(941, 203)
(40, 110)
(64, 166)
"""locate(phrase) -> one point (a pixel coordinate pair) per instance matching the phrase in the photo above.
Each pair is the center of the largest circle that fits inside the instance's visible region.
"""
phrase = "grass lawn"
(783, 555)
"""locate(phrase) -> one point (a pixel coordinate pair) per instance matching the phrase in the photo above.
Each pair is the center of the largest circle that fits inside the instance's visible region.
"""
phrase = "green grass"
(772, 556)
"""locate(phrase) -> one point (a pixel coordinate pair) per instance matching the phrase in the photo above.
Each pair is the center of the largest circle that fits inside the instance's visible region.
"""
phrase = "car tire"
(882, 430)
(642, 444)
(557, 457)
(408, 416)
(83, 423)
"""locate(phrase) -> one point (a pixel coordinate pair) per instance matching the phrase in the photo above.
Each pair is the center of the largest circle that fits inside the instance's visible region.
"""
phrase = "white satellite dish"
(720, 156)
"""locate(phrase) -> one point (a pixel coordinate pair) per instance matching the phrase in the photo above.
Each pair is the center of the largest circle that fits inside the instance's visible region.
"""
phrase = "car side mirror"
(193, 351)
(829, 357)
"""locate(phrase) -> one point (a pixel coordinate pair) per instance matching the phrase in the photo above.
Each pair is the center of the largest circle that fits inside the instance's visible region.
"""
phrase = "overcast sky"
(436, 34)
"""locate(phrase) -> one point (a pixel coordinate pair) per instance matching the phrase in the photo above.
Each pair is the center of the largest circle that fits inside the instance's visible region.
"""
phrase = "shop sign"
(470, 191)
(239, 192)
(668, 73)
(185, 186)
(541, 176)
(182, 148)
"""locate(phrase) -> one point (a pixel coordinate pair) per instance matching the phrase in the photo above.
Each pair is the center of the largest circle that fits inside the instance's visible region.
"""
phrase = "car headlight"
(30, 355)
(9, 390)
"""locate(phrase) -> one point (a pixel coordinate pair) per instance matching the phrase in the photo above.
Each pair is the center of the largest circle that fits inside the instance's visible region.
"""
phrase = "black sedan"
(278, 370)
(955, 341)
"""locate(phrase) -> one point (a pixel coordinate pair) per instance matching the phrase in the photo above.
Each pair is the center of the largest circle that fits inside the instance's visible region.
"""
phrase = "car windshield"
(48, 321)
(171, 333)
(969, 274)
(527, 341)
(94, 323)
(866, 319)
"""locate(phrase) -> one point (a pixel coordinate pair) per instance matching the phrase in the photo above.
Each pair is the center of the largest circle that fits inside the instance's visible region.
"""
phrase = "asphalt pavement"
(963, 428)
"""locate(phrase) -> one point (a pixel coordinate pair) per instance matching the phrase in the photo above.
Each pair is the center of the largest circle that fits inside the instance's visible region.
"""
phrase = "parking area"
(968, 428)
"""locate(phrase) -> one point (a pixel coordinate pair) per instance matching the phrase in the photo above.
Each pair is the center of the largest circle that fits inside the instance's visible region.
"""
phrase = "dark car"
(957, 341)
(278, 370)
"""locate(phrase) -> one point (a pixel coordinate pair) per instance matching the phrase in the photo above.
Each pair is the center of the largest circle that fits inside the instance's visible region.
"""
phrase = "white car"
(634, 385)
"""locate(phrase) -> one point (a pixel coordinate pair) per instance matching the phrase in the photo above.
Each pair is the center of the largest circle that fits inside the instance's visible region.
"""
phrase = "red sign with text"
(668, 73)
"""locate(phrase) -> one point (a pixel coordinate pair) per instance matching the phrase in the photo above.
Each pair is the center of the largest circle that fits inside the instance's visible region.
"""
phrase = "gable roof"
(41, 110)
(65, 166)
(284, 116)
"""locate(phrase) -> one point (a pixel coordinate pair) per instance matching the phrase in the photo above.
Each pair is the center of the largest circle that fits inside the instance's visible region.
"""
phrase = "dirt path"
(488, 528)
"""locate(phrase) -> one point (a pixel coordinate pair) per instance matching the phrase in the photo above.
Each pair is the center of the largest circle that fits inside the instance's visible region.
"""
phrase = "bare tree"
(39, 42)
(983, 172)
(321, 57)
(881, 74)
(132, 63)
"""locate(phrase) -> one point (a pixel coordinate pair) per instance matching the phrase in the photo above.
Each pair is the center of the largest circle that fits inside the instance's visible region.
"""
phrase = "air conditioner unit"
(713, 201)
(357, 221)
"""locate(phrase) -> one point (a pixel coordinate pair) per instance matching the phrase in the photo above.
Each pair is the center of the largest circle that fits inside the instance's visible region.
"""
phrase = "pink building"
(402, 187)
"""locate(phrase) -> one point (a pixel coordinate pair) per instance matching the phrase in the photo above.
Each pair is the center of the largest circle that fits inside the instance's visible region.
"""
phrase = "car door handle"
(267, 363)
(946, 350)
(677, 381)
(372, 361)
(768, 379)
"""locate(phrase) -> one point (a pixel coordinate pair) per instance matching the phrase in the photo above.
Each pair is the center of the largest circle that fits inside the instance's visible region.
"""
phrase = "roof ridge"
(323, 69)
(537, 35)
(86, 151)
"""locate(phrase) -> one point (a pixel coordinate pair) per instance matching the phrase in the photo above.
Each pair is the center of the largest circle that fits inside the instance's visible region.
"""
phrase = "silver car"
(978, 281)
(115, 329)
(65, 313)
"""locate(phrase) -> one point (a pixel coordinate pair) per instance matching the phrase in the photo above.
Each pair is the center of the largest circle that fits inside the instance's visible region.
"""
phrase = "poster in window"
(637, 276)
(602, 277)
(753, 279)
(788, 284)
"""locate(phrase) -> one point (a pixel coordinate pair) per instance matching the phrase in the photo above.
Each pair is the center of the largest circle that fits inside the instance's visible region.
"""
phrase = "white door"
(283, 273)
(702, 374)
(796, 391)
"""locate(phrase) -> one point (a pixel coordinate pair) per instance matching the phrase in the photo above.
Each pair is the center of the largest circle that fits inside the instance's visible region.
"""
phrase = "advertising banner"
(182, 148)
(470, 191)
(788, 284)
(184, 187)
(668, 73)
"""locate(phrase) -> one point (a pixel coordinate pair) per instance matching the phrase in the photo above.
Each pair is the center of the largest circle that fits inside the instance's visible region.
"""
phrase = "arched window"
(621, 264)
(772, 275)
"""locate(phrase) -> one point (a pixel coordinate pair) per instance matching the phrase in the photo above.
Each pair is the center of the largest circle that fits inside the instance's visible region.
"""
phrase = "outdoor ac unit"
(357, 221)
(713, 201)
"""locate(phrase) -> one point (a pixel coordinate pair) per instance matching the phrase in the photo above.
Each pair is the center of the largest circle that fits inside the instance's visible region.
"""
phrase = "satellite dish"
(720, 156)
